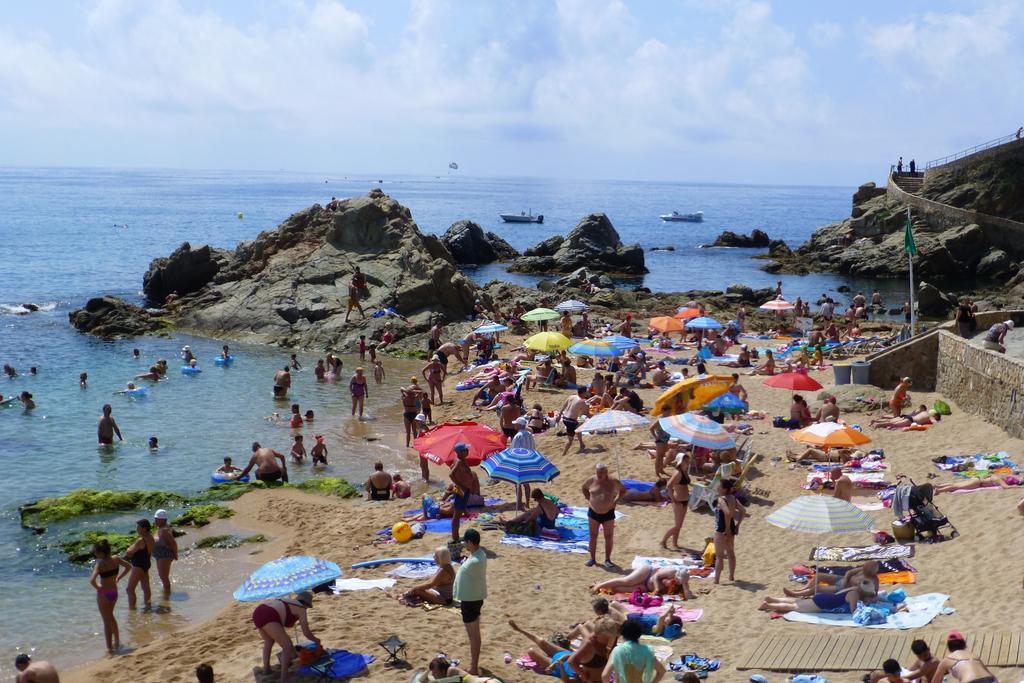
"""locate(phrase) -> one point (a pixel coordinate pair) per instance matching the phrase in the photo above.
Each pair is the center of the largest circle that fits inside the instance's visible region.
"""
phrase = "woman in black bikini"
(679, 496)
(139, 555)
(104, 579)
(537, 422)
(727, 514)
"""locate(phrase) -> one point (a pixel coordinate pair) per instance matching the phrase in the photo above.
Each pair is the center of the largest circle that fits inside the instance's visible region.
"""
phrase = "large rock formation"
(289, 286)
(593, 244)
(110, 318)
(756, 239)
(468, 243)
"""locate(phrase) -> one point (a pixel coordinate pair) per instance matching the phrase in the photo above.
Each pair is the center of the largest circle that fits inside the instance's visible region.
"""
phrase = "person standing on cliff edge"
(899, 166)
(913, 167)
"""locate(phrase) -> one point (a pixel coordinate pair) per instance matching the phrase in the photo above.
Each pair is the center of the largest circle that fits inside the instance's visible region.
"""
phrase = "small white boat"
(696, 217)
(522, 217)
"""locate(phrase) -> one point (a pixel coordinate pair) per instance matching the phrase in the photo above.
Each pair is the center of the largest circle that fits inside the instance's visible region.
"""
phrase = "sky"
(744, 91)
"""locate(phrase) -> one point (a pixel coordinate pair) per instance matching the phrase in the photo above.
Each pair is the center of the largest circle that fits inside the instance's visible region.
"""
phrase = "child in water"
(296, 365)
(378, 371)
(298, 449)
(83, 380)
(319, 451)
(309, 416)
(228, 468)
(296, 420)
(154, 443)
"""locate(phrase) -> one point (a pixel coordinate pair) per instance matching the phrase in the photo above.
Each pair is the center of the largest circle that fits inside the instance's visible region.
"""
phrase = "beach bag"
(309, 654)
(942, 408)
(779, 422)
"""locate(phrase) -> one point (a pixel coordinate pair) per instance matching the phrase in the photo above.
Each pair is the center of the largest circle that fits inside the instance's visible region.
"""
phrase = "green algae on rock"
(89, 501)
(79, 548)
(225, 541)
(200, 515)
(328, 486)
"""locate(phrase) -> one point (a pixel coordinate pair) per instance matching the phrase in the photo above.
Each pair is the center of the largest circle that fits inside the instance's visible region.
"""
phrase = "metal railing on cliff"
(1012, 137)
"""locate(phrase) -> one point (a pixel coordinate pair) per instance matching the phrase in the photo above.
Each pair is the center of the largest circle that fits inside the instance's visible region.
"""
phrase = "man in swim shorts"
(602, 492)
(107, 427)
(282, 382)
(270, 465)
(466, 484)
(574, 407)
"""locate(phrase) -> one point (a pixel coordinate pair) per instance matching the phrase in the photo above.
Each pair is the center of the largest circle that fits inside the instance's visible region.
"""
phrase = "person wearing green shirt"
(470, 590)
(632, 662)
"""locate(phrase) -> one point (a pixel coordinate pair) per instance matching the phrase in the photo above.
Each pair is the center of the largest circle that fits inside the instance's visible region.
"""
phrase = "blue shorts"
(461, 501)
(560, 662)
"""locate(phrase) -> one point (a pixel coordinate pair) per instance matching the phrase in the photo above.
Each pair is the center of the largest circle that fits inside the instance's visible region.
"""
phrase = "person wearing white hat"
(165, 549)
(996, 335)
(523, 438)
(186, 353)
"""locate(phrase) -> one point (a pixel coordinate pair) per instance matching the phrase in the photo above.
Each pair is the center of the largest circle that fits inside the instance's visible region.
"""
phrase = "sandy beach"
(547, 591)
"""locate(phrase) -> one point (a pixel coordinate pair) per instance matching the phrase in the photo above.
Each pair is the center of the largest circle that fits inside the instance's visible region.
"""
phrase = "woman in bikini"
(979, 483)
(727, 512)
(766, 368)
(543, 515)
(924, 418)
(359, 390)
(536, 420)
(438, 590)
(842, 601)
(550, 658)
(434, 373)
(272, 619)
(440, 670)
(139, 555)
(962, 664)
(592, 656)
(679, 496)
(104, 579)
(649, 579)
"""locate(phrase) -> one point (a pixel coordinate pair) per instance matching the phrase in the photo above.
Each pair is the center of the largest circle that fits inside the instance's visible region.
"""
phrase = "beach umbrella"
(687, 313)
(571, 306)
(830, 435)
(539, 314)
(286, 575)
(704, 323)
(548, 341)
(794, 381)
(520, 466)
(488, 327)
(691, 394)
(620, 341)
(698, 430)
(779, 304)
(438, 444)
(612, 420)
(666, 324)
(593, 347)
(821, 515)
(726, 403)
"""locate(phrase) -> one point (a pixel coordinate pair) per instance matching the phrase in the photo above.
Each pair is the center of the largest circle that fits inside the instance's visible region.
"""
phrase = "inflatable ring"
(221, 360)
(224, 478)
(189, 370)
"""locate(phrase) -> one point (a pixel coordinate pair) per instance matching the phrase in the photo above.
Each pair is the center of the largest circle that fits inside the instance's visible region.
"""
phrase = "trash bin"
(842, 373)
(860, 372)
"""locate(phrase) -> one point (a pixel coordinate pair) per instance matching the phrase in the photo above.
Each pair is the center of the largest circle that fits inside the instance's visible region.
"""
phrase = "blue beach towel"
(338, 664)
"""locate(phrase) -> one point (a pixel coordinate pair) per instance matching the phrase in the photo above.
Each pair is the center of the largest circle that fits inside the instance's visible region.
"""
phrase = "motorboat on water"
(675, 216)
(522, 217)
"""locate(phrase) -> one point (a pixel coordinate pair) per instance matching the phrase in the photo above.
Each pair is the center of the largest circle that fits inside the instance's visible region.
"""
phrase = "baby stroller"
(930, 525)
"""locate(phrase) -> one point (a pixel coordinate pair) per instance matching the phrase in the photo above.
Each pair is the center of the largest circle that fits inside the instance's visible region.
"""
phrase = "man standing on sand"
(470, 590)
(466, 484)
(107, 427)
(266, 460)
(282, 382)
(842, 483)
(572, 409)
(34, 672)
(602, 493)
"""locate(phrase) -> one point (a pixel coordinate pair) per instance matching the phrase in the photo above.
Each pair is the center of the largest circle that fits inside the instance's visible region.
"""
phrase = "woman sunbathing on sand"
(655, 494)
(924, 418)
(980, 483)
(552, 659)
(649, 579)
(442, 671)
(842, 601)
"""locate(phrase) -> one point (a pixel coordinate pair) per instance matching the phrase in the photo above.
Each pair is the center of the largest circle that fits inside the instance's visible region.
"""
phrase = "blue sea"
(69, 234)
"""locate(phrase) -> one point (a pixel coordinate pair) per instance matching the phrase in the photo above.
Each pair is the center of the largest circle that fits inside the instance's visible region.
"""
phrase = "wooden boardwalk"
(867, 650)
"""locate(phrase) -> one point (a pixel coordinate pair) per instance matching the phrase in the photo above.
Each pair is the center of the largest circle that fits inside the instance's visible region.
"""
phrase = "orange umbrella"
(830, 435)
(438, 444)
(687, 313)
(665, 324)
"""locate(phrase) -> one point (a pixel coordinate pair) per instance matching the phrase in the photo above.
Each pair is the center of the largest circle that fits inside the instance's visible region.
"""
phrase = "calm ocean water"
(69, 234)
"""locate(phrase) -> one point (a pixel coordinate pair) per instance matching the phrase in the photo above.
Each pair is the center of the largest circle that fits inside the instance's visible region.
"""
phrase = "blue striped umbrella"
(821, 515)
(593, 347)
(611, 420)
(698, 430)
(489, 327)
(286, 575)
(571, 306)
(620, 341)
(726, 403)
(520, 466)
(704, 323)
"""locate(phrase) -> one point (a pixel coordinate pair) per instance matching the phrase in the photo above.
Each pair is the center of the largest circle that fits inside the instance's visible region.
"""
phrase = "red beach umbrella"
(438, 444)
(794, 381)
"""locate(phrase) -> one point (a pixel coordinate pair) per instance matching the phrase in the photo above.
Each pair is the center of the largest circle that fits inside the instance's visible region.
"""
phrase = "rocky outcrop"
(755, 240)
(469, 244)
(865, 192)
(593, 243)
(185, 271)
(932, 303)
(111, 318)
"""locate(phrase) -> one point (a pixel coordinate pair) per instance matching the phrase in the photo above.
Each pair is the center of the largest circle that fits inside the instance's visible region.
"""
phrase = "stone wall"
(982, 382)
(915, 358)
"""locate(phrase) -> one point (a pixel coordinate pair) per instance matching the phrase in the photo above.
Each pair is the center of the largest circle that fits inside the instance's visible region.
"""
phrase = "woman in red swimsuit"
(273, 617)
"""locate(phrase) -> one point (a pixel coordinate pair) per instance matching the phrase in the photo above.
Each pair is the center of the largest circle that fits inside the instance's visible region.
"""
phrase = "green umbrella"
(541, 314)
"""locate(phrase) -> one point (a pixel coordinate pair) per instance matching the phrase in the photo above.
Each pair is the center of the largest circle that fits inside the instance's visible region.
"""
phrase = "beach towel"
(983, 488)
(861, 553)
(637, 485)
(413, 570)
(683, 614)
(687, 562)
(338, 664)
(921, 610)
(341, 585)
(861, 480)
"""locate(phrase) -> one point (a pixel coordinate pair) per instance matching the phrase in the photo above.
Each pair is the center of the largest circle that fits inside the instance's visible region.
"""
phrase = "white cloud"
(825, 33)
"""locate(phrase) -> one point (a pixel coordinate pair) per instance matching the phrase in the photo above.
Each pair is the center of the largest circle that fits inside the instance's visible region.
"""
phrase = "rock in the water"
(185, 271)
(110, 317)
(779, 249)
(593, 243)
(468, 243)
(843, 288)
(931, 302)
(865, 192)
(756, 239)
(666, 248)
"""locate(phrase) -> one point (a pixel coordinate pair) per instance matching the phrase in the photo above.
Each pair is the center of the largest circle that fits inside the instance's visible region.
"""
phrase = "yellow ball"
(401, 532)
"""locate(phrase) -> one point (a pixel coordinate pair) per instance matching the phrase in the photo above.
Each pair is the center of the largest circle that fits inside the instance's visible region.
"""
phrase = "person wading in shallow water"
(107, 428)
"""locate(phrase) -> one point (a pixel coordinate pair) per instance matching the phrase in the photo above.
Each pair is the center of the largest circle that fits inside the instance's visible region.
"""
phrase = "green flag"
(908, 238)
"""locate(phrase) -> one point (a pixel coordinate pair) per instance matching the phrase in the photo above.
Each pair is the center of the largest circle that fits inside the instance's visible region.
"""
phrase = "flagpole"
(910, 259)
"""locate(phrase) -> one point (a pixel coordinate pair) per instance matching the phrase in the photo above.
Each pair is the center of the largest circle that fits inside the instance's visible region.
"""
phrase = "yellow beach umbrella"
(548, 341)
(691, 394)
